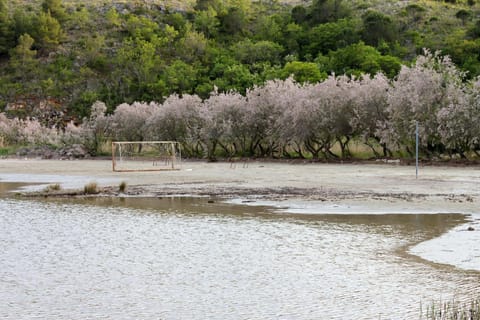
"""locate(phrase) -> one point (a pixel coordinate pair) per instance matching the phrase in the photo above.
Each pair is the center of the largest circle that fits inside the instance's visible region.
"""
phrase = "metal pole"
(113, 156)
(416, 149)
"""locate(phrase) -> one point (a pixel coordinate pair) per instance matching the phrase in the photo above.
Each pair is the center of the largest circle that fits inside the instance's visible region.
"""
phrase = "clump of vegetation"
(453, 310)
(4, 151)
(53, 187)
(225, 68)
(122, 187)
(303, 121)
(90, 188)
(49, 56)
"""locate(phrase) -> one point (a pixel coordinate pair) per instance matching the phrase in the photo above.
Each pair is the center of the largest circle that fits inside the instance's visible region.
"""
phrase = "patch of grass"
(90, 188)
(7, 150)
(122, 187)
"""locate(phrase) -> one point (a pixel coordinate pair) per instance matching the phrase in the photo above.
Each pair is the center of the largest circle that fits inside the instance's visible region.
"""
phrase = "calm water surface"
(190, 259)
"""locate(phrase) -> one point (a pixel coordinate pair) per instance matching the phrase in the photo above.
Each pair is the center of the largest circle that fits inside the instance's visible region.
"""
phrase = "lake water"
(188, 258)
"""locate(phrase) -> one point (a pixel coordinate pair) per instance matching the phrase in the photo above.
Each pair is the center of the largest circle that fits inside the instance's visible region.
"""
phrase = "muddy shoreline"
(356, 187)
(300, 188)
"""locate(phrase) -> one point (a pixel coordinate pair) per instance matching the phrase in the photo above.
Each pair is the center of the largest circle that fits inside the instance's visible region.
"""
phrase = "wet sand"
(319, 188)
(300, 188)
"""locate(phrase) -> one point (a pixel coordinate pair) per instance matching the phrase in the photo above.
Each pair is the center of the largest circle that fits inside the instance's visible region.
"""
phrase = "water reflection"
(191, 259)
(5, 188)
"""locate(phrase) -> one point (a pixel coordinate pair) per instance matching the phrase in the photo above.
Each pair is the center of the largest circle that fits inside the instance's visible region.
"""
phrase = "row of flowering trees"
(284, 118)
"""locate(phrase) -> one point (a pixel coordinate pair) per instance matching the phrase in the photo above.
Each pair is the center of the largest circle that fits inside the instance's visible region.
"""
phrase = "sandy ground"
(309, 187)
(303, 188)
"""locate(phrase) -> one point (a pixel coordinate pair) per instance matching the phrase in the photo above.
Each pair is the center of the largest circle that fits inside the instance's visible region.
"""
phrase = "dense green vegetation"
(57, 58)
(287, 119)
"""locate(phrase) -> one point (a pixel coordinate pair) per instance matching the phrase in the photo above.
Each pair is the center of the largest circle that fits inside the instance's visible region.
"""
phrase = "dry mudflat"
(308, 187)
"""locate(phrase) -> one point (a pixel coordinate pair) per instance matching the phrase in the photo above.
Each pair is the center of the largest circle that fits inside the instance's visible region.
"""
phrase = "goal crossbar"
(132, 156)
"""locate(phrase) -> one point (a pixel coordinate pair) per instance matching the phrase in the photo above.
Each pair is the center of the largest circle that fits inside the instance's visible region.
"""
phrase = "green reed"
(453, 310)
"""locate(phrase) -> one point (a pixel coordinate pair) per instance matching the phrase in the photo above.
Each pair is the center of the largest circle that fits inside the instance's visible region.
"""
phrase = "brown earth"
(318, 188)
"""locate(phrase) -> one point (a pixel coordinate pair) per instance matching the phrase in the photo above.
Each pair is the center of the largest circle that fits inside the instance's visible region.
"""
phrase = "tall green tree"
(48, 33)
(303, 72)
(293, 38)
(206, 21)
(322, 11)
(236, 77)
(180, 77)
(23, 60)
(192, 46)
(202, 5)
(135, 68)
(234, 21)
(331, 36)
(299, 14)
(23, 22)
(5, 28)
(80, 19)
(113, 18)
(249, 52)
(142, 27)
(378, 27)
(360, 58)
(56, 9)
(268, 28)
(92, 52)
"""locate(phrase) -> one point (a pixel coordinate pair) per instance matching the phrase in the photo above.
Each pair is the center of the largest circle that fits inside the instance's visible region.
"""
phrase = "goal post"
(145, 156)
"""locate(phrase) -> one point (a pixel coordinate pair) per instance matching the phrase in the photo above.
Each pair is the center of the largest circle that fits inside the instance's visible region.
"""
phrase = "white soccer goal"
(145, 156)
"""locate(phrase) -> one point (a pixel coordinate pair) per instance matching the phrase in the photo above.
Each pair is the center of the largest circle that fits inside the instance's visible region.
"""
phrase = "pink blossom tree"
(418, 94)
(369, 108)
(128, 122)
(266, 106)
(93, 131)
(8, 132)
(295, 99)
(224, 116)
(458, 122)
(323, 117)
(178, 119)
(27, 132)
(282, 115)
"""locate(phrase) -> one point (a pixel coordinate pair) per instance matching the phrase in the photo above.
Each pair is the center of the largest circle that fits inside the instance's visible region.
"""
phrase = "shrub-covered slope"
(58, 57)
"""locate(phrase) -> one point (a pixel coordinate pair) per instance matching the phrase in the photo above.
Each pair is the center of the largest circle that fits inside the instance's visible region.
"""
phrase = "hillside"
(68, 54)
(173, 4)
(184, 5)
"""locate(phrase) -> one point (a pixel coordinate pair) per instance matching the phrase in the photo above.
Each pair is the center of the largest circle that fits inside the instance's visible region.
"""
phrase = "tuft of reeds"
(122, 187)
(53, 187)
(90, 188)
(453, 310)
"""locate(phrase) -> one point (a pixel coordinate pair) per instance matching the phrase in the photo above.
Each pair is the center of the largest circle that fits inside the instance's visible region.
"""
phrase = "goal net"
(145, 155)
